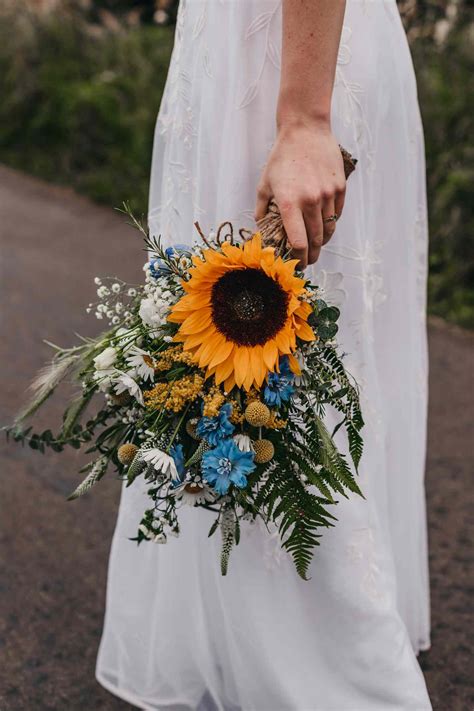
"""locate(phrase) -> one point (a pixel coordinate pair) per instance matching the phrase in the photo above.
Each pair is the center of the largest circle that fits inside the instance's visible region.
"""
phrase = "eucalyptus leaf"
(327, 330)
(331, 313)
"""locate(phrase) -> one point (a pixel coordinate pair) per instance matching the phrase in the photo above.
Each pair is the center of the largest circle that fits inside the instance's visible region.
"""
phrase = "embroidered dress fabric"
(177, 635)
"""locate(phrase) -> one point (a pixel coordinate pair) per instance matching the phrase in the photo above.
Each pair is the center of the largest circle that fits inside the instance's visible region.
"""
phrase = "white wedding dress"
(178, 636)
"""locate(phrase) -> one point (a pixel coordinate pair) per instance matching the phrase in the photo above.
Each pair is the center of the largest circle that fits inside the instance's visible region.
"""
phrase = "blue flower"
(213, 429)
(279, 387)
(176, 249)
(177, 452)
(226, 465)
(158, 267)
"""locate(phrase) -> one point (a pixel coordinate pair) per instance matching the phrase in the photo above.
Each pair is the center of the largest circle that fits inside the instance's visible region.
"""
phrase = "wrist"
(291, 116)
(288, 123)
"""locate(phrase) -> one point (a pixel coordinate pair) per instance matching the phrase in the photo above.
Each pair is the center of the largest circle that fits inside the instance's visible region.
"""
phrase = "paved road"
(54, 554)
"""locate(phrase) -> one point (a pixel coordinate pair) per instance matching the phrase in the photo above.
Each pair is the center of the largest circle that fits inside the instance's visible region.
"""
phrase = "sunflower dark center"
(248, 307)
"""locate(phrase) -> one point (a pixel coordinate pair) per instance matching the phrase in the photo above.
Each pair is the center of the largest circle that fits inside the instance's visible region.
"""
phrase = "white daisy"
(124, 383)
(243, 442)
(162, 462)
(142, 363)
(191, 493)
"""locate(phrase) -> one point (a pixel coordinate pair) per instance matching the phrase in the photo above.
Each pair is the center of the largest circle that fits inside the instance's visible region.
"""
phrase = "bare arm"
(305, 172)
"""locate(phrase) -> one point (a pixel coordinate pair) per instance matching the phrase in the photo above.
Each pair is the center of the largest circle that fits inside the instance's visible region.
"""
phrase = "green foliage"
(78, 107)
(309, 455)
(444, 76)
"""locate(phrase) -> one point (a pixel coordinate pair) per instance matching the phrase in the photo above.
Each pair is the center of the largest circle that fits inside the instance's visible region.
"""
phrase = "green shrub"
(78, 107)
(447, 103)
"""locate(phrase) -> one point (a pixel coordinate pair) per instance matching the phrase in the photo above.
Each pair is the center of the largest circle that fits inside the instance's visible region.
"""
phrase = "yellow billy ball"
(264, 450)
(257, 414)
(126, 453)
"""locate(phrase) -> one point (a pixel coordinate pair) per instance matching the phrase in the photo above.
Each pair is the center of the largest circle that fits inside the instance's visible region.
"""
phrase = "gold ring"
(332, 218)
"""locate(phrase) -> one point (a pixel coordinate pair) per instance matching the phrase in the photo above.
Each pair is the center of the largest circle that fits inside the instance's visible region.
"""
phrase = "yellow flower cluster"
(237, 416)
(252, 395)
(275, 423)
(213, 401)
(172, 355)
(175, 395)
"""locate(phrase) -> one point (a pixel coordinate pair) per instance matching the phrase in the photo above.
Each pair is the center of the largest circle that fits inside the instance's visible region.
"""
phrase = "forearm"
(304, 172)
(310, 43)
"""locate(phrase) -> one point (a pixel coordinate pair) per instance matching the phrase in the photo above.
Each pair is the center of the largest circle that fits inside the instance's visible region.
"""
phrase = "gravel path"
(53, 554)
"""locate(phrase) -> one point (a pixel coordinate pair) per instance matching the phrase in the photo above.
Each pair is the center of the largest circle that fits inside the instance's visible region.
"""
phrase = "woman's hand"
(305, 176)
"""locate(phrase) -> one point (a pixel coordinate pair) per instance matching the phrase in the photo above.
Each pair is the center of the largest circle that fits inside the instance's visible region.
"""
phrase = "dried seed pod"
(126, 453)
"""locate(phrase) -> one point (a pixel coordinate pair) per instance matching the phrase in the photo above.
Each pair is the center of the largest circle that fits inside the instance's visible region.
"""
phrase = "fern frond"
(333, 460)
(356, 443)
(308, 468)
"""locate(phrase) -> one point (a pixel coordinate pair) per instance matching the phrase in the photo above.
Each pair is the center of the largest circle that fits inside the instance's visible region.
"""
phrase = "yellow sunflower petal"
(198, 321)
(229, 383)
(241, 364)
(258, 369)
(205, 351)
(305, 332)
(191, 302)
(222, 352)
(270, 355)
(253, 251)
(294, 365)
(195, 340)
(304, 309)
(224, 369)
(282, 340)
(232, 252)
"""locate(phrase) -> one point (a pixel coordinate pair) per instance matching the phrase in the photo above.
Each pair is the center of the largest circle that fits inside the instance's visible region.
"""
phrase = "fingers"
(333, 205)
(328, 211)
(339, 199)
(263, 198)
(313, 220)
(295, 228)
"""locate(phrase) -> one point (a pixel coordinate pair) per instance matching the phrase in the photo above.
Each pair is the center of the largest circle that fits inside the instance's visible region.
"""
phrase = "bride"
(259, 94)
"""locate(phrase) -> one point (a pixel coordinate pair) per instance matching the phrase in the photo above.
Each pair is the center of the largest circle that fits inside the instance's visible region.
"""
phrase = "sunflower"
(243, 309)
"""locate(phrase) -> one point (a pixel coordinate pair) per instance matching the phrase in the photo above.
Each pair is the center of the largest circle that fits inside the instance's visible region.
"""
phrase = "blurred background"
(80, 87)
(81, 82)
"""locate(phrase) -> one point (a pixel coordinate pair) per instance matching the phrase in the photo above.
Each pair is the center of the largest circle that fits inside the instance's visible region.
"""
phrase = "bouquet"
(211, 386)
